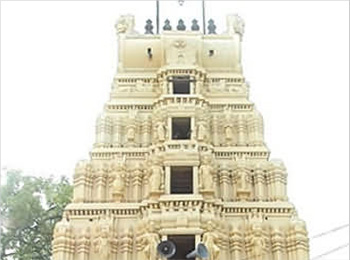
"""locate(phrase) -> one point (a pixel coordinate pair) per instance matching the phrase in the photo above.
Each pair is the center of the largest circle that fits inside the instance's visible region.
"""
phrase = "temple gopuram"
(180, 156)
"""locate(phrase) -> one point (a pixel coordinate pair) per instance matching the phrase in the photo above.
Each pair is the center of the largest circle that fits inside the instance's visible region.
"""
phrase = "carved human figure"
(209, 240)
(228, 132)
(119, 180)
(130, 134)
(206, 174)
(242, 176)
(258, 243)
(161, 132)
(102, 245)
(235, 24)
(125, 24)
(156, 175)
(201, 132)
(151, 240)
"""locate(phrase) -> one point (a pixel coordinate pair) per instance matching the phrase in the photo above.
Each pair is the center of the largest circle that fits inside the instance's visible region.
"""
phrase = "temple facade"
(179, 155)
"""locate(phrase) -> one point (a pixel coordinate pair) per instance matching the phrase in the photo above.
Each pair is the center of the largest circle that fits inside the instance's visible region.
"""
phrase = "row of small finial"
(181, 26)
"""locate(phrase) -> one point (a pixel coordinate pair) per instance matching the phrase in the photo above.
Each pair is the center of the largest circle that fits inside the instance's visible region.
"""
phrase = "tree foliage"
(30, 207)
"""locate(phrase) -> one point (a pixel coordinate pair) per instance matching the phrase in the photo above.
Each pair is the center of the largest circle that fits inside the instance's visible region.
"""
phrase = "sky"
(58, 59)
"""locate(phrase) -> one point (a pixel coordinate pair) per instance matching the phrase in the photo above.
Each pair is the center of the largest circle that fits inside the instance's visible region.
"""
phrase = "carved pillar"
(100, 184)
(259, 129)
(270, 187)
(80, 181)
(63, 244)
(136, 184)
(241, 130)
(216, 180)
(236, 244)
(301, 240)
(251, 131)
(125, 242)
(89, 187)
(146, 133)
(117, 132)
(224, 183)
(290, 245)
(280, 181)
(215, 129)
(259, 183)
(145, 183)
(278, 245)
(83, 245)
(103, 131)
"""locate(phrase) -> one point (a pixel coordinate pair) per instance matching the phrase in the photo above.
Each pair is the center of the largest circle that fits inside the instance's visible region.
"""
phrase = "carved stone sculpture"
(235, 24)
(201, 132)
(119, 181)
(206, 174)
(161, 132)
(125, 24)
(209, 240)
(156, 175)
(258, 244)
(102, 245)
(151, 240)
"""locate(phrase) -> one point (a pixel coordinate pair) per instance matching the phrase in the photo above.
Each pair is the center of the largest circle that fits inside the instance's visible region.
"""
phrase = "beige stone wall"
(122, 206)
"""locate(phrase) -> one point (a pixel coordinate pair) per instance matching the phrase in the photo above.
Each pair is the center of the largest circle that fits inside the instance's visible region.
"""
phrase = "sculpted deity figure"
(201, 132)
(228, 132)
(206, 174)
(102, 245)
(151, 240)
(242, 184)
(119, 180)
(235, 24)
(156, 175)
(125, 24)
(161, 131)
(258, 243)
(209, 239)
(130, 134)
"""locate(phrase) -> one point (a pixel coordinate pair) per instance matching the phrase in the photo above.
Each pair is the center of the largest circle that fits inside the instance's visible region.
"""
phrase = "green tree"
(30, 207)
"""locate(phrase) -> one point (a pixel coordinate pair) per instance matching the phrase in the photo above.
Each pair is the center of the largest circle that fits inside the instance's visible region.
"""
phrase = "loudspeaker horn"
(166, 249)
(201, 251)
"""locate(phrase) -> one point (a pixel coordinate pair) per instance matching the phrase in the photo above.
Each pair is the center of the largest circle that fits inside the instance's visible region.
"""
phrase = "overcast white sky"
(58, 60)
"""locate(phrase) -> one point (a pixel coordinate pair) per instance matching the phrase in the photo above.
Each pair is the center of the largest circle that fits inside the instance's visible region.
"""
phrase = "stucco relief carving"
(149, 241)
(235, 24)
(210, 240)
(125, 24)
(157, 175)
(206, 172)
(119, 183)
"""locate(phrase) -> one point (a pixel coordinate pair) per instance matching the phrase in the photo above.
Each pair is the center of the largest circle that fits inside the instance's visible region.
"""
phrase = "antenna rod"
(203, 14)
(157, 2)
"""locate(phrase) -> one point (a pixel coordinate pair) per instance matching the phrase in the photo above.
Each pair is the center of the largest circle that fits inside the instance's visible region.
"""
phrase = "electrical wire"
(330, 251)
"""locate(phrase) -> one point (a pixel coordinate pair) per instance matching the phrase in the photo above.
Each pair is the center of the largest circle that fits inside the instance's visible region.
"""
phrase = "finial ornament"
(211, 27)
(149, 27)
(181, 25)
(195, 26)
(167, 26)
(181, 2)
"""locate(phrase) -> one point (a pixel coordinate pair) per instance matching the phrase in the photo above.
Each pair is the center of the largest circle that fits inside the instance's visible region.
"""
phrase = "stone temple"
(179, 155)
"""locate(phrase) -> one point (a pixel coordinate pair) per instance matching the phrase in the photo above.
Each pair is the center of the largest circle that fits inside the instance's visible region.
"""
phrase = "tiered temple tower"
(180, 155)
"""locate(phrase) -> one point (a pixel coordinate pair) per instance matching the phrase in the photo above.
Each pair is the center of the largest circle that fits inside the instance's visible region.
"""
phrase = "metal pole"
(203, 15)
(157, 16)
